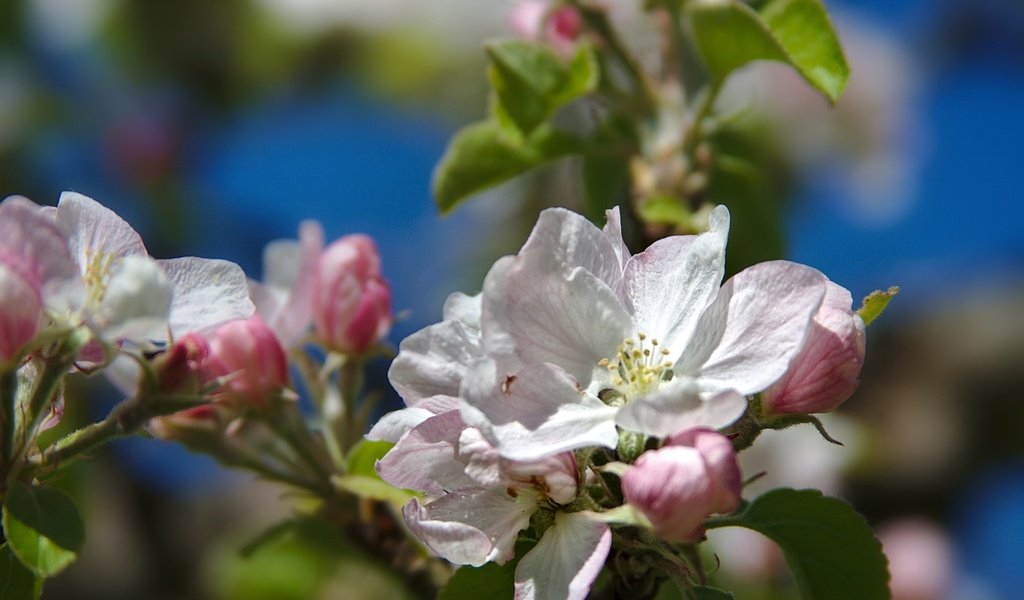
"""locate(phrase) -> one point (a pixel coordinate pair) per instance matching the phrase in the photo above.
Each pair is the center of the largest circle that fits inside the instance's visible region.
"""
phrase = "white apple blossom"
(128, 294)
(477, 502)
(580, 338)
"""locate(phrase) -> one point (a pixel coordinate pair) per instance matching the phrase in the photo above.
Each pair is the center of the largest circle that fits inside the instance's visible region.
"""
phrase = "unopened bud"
(351, 302)
(827, 370)
(183, 369)
(250, 360)
(680, 484)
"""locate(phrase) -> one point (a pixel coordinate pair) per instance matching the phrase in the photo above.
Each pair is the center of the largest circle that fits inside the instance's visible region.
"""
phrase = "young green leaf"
(16, 582)
(730, 35)
(43, 528)
(531, 82)
(373, 488)
(874, 304)
(364, 455)
(483, 155)
(830, 549)
(703, 592)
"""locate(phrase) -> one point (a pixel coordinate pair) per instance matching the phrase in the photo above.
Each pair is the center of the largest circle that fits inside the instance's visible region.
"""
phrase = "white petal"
(291, 268)
(31, 242)
(535, 316)
(680, 405)
(92, 229)
(746, 339)
(432, 361)
(613, 231)
(425, 458)
(535, 412)
(563, 240)
(464, 309)
(566, 561)
(207, 293)
(393, 425)
(470, 527)
(136, 302)
(669, 285)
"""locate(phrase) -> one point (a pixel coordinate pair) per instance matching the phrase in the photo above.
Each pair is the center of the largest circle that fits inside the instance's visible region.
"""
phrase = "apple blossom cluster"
(201, 353)
(589, 403)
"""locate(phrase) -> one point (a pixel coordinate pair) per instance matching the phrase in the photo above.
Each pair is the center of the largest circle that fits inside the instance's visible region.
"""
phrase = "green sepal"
(875, 304)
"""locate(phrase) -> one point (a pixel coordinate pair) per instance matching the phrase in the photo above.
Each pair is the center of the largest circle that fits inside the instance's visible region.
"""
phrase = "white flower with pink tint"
(128, 295)
(351, 299)
(581, 338)
(477, 502)
(285, 296)
(430, 366)
(35, 265)
(827, 370)
(677, 486)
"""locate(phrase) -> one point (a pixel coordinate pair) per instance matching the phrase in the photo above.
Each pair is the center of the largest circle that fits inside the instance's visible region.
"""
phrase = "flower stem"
(8, 401)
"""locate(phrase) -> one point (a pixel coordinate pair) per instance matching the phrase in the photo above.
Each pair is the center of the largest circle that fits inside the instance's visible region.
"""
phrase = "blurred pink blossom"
(920, 559)
(536, 20)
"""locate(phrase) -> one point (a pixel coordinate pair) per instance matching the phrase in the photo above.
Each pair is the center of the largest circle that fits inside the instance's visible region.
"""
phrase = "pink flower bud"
(351, 301)
(679, 485)
(250, 358)
(187, 423)
(21, 313)
(532, 20)
(827, 370)
(183, 368)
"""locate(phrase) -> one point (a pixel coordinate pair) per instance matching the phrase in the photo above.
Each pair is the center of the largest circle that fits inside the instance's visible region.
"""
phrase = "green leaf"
(483, 155)
(492, 581)
(373, 488)
(703, 592)
(605, 169)
(531, 82)
(730, 35)
(830, 549)
(665, 210)
(43, 528)
(17, 582)
(363, 457)
(874, 304)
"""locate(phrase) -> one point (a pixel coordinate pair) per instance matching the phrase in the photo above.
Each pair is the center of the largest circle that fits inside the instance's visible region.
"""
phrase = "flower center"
(97, 273)
(638, 368)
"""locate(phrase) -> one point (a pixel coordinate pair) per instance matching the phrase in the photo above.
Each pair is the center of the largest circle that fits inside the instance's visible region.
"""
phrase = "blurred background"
(215, 127)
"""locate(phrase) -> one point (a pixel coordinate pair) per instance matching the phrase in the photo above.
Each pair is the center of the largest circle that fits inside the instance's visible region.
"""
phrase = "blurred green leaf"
(531, 82)
(875, 303)
(703, 592)
(373, 488)
(363, 457)
(482, 155)
(730, 35)
(665, 210)
(747, 176)
(16, 582)
(491, 581)
(829, 547)
(605, 169)
(43, 528)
